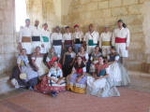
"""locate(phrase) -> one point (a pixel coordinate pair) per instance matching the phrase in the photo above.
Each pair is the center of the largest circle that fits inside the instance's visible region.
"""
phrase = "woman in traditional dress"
(99, 84)
(118, 74)
(83, 54)
(68, 61)
(37, 62)
(94, 58)
(76, 81)
(52, 57)
(24, 75)
(54, 82)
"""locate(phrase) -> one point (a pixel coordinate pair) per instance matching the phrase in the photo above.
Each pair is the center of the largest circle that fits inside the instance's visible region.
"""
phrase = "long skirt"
(45, 87)
(78, 87)
(101, 87)
(43, 69)
(119, 75)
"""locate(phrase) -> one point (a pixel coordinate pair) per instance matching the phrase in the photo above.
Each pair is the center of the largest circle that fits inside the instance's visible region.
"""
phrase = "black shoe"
(54, 94)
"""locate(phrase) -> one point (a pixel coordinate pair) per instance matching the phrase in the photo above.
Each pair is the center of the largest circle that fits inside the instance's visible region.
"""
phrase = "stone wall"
(45, 11)
(135, 13)
(7, 37)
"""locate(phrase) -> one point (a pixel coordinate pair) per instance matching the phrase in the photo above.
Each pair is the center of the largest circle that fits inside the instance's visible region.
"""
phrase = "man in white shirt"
(67, 38)
(77, 37)
(45, 38)
(92, 38)
(121, 39)
(105, 41)
(25, 40)
(36, 35)
(56, 40)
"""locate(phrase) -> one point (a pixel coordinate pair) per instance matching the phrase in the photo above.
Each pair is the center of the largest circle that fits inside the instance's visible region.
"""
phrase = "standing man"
(36, 35)
(67, 38)
(46, 44)
(105, 41)
(92, 38)
(25, 40)
(77, 37)
(56, 40)
(121, 39)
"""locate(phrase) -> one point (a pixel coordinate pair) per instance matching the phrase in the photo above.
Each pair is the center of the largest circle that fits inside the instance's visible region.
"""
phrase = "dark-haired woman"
(118, 74)
(68, 61)
(76, 81)
(24, 75)
(99, 84)
(121, 39)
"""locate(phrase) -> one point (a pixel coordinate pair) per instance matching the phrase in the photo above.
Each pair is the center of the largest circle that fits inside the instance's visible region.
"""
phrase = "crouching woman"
(99, 84)
(54, 82)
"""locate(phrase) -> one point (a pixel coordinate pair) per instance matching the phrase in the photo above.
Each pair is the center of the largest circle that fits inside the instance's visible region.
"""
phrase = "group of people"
(83, 63)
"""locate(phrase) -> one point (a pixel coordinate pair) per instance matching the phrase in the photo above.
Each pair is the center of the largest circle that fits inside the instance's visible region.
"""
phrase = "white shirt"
(36, 31)
(105, 36)
(121, 33)
(77, 35)
(56, 36)
(25, 31)
(45, 33)
(92, 36)
(67, 36)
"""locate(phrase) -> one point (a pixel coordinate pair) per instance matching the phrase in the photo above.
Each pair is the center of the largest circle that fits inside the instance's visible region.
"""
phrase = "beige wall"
(106, 12)
(45, 11)
(7, 38)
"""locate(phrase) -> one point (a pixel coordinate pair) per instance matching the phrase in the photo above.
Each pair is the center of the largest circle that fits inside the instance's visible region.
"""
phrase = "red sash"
(120, 40)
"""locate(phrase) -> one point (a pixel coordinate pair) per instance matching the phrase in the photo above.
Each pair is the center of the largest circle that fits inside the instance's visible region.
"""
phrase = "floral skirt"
(45, 87)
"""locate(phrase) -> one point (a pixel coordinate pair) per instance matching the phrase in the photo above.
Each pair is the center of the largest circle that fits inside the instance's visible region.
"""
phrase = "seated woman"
(94, 58)
(84, 55)
(68, 61)
(24, 75)
(37, 62)
(76, 81)
(54, 82)
(118, 74)
(98, 84)
(52, 57)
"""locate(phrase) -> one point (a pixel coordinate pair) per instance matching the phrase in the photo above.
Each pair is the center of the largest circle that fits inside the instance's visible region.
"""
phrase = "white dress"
(118, 74)
(42, 67)
(101, 87)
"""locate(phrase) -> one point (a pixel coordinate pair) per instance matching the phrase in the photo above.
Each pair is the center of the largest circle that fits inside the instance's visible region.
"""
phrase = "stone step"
(5, 85)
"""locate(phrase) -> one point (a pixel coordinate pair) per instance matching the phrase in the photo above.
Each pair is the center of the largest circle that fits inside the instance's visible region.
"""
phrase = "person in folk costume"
(25, 37)
(105, 41)
(46, 44)
(92, 38)
(36, 35)
(77, 37)
(99, 84)
(67, 38)
(56, 40)
(121, 39)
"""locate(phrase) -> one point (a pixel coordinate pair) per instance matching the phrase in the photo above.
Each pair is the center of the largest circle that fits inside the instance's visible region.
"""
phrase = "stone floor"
(134, 98)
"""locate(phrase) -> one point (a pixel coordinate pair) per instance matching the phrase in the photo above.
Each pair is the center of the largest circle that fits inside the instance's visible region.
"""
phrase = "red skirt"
(45, 88)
